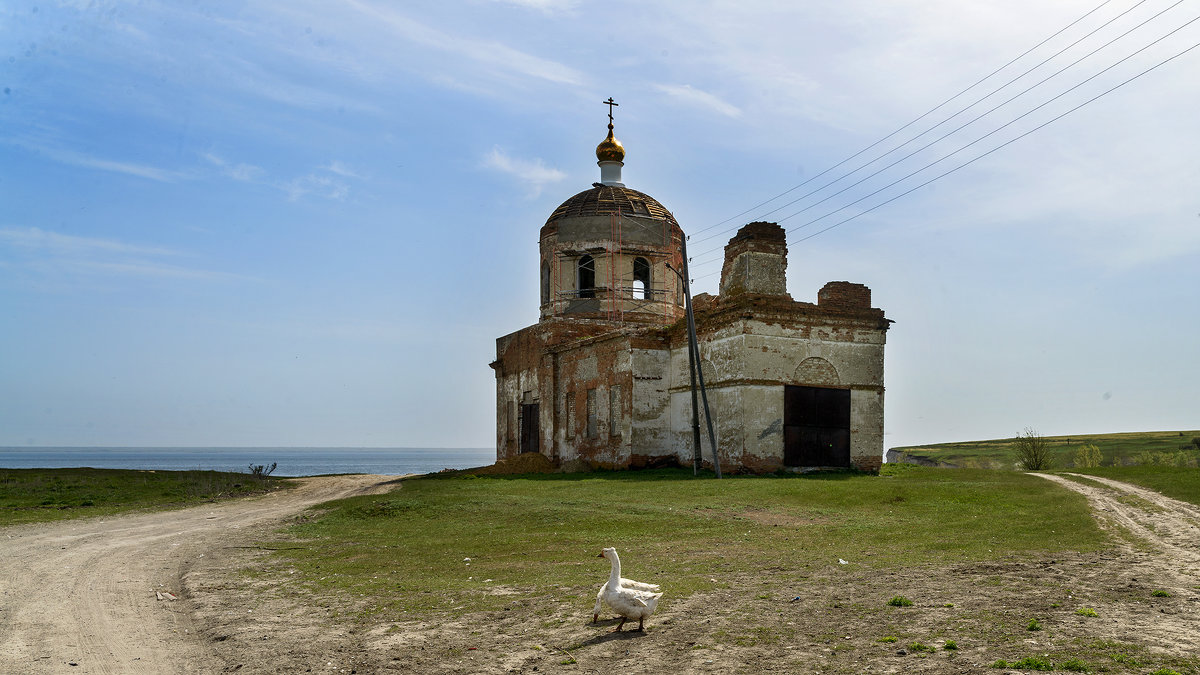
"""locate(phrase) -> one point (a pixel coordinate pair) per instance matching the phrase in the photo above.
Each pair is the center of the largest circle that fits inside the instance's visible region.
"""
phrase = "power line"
(971, 105)
(985, 154)
(919, 118)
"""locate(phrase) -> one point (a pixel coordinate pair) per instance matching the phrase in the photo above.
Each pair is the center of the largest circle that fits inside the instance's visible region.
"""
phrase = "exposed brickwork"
(845, 295)
(868, 464)
(755, 261)
(816, 371)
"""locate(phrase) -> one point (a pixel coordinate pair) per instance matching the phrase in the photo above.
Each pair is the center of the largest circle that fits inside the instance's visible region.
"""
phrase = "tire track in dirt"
(81, 595)
(1170, 526)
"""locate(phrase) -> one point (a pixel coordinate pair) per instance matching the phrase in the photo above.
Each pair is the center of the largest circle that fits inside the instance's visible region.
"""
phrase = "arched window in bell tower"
(641, 278)
(587, 277)
(545, 282)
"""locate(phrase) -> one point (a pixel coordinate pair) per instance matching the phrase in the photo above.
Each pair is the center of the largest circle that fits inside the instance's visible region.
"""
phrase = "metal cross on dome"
(610, 103)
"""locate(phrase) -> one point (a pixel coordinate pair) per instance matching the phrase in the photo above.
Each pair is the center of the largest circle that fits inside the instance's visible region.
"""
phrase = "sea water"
(291, 461)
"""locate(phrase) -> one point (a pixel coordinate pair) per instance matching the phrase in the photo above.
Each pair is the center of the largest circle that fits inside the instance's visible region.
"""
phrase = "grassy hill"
(1140, 448)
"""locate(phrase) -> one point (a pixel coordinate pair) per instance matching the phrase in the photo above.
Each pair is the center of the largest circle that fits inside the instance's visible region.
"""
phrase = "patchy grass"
(40, 495)
(459, 544)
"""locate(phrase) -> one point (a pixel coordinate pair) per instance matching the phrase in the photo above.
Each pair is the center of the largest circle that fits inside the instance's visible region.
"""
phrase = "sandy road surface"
(1167, 524)
(82, 596)
(1169, 528)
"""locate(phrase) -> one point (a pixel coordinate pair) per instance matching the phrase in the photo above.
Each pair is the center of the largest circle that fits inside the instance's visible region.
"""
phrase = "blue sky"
(305, 223)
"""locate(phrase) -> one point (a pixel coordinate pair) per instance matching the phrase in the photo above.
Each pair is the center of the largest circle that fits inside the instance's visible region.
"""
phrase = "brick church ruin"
(602, 379)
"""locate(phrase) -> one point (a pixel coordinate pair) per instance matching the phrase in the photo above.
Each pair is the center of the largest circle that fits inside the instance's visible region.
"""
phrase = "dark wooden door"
(529, 428)
(816, 426)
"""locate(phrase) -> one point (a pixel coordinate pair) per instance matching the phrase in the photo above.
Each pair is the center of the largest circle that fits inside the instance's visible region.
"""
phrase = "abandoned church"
(602, 380)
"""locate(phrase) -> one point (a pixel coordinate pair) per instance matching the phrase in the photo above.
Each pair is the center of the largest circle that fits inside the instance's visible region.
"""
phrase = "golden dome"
(610, 149)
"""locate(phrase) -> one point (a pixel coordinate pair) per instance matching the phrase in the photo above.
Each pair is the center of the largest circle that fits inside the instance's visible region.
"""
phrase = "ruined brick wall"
(593, 401)
(755, 261)
(844, 295)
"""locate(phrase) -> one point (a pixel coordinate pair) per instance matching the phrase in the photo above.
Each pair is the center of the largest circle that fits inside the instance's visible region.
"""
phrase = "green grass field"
(410, 548)
(1175, 448)
(39, 495)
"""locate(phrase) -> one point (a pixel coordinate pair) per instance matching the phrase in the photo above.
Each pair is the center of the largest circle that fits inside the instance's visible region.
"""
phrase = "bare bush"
(1033, 452)
(261, 471)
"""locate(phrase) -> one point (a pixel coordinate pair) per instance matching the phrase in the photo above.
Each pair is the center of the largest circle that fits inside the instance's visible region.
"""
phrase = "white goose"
(630, 599)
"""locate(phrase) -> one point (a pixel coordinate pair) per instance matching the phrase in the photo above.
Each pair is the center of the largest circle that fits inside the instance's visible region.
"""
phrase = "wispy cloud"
(87, 161)
(544, 6)
(315, 184)
(33, 238)
(341, 169)
(533, 172)
(54, 254)
(492, 54)
(326, 181)
(240, 172)
(690, 95)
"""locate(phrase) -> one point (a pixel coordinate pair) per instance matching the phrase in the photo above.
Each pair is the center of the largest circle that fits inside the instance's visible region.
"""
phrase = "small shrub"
(900, 601)
(1087, 456)
(918, 647)
(261, 471)
(1086, 611)
(999, 663)
(889, 639)
(1161, 594)
(1165, 671)
(1033, 452)
(1033, 625)
(1074, 666)
(950, 645)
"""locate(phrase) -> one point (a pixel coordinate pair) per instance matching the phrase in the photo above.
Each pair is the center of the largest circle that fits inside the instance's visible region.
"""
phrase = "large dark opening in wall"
(529, 428)
(587, 277)
(816, 426)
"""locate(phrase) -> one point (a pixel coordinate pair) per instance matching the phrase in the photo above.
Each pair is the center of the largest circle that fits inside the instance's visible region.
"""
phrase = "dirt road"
(84, 596)
(81, 597)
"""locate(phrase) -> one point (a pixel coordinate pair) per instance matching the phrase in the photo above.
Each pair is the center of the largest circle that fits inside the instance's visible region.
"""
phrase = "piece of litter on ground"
(795, 599)
(842, 562)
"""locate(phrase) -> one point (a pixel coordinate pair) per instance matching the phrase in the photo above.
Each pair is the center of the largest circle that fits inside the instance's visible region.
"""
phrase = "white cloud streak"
(689, 95)
(488, 53)
(53, 254)
(533, 173)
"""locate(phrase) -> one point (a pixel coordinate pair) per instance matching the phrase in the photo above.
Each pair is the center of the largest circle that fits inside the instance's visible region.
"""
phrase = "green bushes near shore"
(38, 495)
(470, 543)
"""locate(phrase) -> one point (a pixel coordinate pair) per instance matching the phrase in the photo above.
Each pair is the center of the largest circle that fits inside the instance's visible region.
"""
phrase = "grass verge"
(40, 495)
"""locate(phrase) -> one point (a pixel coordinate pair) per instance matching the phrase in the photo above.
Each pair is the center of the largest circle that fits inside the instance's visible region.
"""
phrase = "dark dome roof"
(606, 200)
